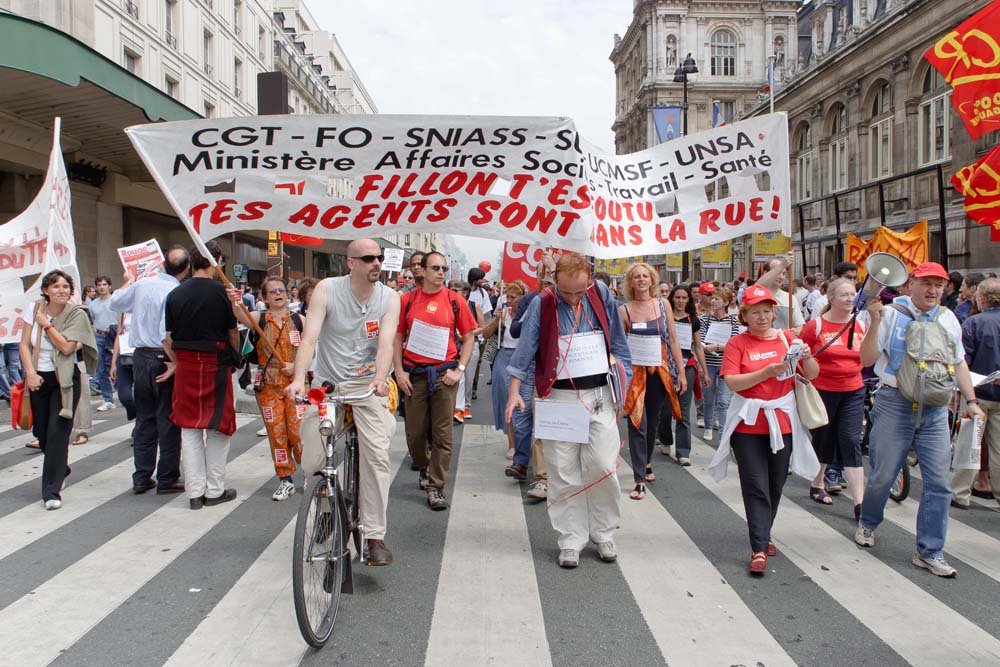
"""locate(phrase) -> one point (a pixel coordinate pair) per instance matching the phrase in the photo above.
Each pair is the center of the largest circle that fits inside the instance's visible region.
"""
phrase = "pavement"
(118, 579)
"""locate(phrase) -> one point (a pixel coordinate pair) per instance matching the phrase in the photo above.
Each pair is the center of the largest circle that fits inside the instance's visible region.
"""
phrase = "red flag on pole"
(980, 184)
(968, 58)
(299, 239)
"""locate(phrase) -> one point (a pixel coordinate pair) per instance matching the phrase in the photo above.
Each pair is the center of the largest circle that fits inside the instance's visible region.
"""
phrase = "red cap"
(706, 288)
(757, 294)
(930, 270)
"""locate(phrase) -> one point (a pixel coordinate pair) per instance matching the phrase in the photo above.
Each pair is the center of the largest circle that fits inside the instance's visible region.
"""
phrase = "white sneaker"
(938, 566)
(285, 490)
(684, 461)
(569, 558)
(665, 449)
(606, 551)
(262, 432)
(53, 504)
(104, 407)
(539, 490)
(708, 434)
(866, 538)
(701, 422)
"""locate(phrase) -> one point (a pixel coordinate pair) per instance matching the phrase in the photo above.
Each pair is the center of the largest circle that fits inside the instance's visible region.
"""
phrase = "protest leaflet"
(142, 259)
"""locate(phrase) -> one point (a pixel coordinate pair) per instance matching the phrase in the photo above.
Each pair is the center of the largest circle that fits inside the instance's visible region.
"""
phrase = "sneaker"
(606, 551)
(262, 432)
(569, 558)
(435, 500)
(539, 490)
(53, 504)
(459, 417)
(285, 490)
(665, 449)
(684, 461)
(104, 407)
(831, 480)
(938, 565)
(423, 481)
(865, 536)
(95, 390)
(708, 434)
(468, 414)
(701, 422)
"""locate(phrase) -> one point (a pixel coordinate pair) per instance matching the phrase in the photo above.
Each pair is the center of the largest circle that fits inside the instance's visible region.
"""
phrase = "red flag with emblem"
(980, 184)
(299, 239)
(968, 58)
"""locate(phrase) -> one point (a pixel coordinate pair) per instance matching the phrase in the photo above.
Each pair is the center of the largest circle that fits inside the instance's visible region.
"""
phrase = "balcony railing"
(209, 70)
(170, 39)
(131, 8)
(238, 92)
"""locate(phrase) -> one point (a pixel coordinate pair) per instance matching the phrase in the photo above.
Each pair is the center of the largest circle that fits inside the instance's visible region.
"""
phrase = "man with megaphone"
(919, 358)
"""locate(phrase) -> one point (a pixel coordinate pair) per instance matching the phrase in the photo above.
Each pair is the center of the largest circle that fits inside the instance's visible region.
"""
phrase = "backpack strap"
(297, 322)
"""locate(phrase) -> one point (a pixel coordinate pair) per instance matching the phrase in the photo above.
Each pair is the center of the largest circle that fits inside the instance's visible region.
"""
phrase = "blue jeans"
(523, 420)
(105, 349)
(894, 431)
(717, 393)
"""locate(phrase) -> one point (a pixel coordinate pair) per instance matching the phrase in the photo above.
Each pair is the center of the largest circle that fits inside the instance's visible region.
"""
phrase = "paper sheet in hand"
(979, 380)
(791, 360)
(718, 333)
(393, 259)
(588, 355)
(428, 340)
(645, 350)
(684, 335)
(568, 421)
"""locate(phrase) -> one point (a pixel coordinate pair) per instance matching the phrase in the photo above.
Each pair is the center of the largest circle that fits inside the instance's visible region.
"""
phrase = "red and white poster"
(142, 259)
(520, 262)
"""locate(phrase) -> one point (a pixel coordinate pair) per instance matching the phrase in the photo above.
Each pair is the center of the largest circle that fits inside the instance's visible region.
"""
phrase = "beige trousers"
(961, 480)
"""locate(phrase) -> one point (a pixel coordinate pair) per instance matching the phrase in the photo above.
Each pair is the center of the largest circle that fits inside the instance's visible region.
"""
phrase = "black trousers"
(642, 440)
(53, 432)
(153, 428)
(762, 476)
(123, 385)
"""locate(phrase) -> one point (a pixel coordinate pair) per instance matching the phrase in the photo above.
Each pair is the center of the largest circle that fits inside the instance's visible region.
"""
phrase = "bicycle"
(327, 519)
(900, 489)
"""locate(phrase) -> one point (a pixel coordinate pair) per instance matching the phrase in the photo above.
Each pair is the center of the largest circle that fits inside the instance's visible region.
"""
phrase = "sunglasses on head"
(437, 267)
(368, 259)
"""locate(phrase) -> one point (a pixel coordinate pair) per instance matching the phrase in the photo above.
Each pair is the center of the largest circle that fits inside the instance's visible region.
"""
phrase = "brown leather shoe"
(175, 487)
(517, 471)
(378, 553)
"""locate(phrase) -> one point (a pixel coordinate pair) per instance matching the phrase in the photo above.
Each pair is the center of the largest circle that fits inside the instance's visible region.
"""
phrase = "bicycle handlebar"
(305, 400)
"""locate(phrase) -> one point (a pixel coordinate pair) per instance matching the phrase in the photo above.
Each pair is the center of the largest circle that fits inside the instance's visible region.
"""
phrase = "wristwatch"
(972, 401)
(461, 368)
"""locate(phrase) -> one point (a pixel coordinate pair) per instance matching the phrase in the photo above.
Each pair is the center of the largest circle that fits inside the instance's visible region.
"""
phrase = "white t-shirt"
(45, 349)
(818, 305)
(481, 298)
(507, 340)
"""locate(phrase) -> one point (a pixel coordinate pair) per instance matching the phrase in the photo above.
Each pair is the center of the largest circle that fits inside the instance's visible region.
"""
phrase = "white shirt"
(481, 298)
(818, 305)
(811, 303)
(45, 349)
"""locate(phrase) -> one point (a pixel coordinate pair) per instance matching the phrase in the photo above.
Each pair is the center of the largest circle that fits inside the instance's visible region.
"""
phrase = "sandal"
(650, 477)
(81, 439)
(32, 444)
(758, 562)
(638, 493)
(820, 496)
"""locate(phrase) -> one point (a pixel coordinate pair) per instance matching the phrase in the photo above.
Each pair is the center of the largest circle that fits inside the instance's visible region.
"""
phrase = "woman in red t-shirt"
(751, 366)
(842, 390)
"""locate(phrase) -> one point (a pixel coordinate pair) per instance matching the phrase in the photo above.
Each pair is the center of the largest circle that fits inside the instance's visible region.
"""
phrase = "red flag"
(980, 184)
(298, 239)
(968, 58)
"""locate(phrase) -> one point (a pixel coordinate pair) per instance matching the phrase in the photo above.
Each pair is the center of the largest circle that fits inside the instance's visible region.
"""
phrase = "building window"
(206, 52)
(169, 22)
(209, 110)
(838, 150)
(131, 61)
(238, 77)
(237, 16)
(804, 164)
(261, 42)
(170, 86)
(723, 54)
(934, 120)
(880, 134)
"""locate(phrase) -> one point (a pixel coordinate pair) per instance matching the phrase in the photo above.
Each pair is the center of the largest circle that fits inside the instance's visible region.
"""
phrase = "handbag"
(20, 403)
(808, 403)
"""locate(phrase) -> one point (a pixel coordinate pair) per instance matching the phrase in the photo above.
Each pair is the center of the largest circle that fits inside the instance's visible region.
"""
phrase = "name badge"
(371, 329)
(294, 337)
(581, 355)
(638, 325)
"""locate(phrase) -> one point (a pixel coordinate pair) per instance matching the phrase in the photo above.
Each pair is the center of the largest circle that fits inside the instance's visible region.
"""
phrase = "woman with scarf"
(686, 324)
(650, 332)
(763, 431)
(58, 329)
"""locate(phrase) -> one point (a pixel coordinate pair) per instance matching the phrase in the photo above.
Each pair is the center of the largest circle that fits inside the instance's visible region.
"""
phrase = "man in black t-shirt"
(201, 341)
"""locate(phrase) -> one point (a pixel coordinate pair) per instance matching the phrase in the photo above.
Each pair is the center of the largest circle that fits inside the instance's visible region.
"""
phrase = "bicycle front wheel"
(317, 564)
(901, 486)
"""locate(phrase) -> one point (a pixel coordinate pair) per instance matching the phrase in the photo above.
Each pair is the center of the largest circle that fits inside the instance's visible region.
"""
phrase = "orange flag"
(980, 184)
(968, 58)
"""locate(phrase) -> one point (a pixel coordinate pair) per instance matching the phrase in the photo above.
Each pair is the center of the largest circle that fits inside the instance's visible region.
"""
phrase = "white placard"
(683, 334)
(979, 380)
(393, 259)
(588, 355)
(645, 350)
(567, 421)
(718, 333)
(428, 340)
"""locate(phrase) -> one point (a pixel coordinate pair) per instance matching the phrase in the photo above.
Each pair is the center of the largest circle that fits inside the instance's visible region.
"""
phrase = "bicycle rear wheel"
(317, 564)
(901, 486)
(351, 481)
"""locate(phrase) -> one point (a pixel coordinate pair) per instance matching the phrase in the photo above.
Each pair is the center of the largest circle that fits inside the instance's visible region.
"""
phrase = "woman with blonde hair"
(650, 332)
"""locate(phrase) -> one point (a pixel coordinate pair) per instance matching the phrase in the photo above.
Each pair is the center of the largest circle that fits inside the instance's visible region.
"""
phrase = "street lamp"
(688, 67)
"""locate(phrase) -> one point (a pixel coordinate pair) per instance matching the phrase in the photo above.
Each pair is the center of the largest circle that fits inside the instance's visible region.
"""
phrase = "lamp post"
(688, 67)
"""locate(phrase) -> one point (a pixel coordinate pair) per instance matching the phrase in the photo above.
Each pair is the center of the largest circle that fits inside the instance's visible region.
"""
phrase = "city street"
(114, 578)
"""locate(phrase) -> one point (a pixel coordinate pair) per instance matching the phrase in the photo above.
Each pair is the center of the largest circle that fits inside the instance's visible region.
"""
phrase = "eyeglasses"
(437, 267)
(368, 259)
(276, 290)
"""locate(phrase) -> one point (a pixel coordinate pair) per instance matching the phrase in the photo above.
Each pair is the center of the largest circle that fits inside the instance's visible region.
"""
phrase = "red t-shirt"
(839, 368)
(745, 354)
(436, 310)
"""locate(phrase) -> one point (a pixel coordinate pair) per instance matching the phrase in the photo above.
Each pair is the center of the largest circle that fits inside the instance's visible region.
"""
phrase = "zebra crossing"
(118, 579)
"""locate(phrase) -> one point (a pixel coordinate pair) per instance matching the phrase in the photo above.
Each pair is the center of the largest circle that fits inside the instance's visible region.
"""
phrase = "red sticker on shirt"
(294, 337)
(371, 329)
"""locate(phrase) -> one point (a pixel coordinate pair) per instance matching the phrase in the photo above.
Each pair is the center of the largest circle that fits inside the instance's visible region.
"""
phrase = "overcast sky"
(483, 57)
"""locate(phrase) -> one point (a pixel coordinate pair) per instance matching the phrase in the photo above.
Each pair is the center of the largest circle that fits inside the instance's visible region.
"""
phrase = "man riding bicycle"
(346, 316)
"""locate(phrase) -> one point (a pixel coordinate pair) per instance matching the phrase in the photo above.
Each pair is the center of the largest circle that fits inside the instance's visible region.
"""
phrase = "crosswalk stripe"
(78, 597)
(990, 503)
(20, 473)
(22, 438)
(719, 628)
(487, 554)
(879, 597)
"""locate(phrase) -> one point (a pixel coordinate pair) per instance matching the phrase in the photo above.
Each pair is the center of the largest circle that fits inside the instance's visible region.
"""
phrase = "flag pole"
(771, 62)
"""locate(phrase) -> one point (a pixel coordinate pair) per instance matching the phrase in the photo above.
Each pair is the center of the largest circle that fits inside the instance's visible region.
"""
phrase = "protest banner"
(910, 246)
(717, 256)
(967, 57)
(533, 179)
(142, 259)
(979, 183)
(770, 245)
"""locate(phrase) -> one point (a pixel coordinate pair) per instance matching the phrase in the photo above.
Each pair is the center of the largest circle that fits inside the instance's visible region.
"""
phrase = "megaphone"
(884, 270)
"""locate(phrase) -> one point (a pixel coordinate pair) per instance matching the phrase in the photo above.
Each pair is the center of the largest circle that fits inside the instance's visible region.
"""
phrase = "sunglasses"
(276, 290)
(437, 267)
(368, 259)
